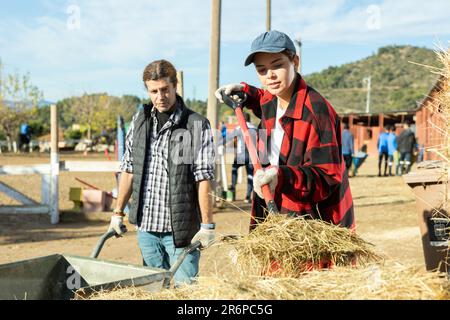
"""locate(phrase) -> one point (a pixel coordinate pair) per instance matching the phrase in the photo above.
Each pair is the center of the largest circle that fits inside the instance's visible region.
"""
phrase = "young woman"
(299, 141)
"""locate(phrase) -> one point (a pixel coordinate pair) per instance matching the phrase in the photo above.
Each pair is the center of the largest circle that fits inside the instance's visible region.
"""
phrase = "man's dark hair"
(346, 126)
(247, 116)
(160, 69)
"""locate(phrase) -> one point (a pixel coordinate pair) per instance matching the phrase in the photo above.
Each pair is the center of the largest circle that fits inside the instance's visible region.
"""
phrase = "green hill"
(397, 84)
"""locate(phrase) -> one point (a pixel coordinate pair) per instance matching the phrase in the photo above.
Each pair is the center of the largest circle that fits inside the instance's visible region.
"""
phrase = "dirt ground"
(384, 208)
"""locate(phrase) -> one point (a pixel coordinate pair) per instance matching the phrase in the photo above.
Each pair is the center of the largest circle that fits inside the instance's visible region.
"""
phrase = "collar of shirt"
(175, 117)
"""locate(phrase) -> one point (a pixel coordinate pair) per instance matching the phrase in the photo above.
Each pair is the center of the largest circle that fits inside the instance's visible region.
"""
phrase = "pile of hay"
(440, 108)
(373, 282)
(287, 247)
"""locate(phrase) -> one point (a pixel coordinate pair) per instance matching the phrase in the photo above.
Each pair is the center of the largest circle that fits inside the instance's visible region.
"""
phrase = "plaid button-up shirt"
(313, 179)
(155, 200)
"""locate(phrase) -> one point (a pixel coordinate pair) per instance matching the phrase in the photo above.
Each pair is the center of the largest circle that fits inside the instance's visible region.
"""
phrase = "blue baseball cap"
(272, 42)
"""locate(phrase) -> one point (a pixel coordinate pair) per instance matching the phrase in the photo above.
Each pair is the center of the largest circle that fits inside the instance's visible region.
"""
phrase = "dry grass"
(282, 246)
(440, 106)
(395, 282)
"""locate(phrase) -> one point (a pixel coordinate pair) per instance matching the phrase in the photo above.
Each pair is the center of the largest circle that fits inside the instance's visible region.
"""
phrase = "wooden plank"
(40, 209)
(31, 169)
(90, 166)
(429, 177)
(16, 195)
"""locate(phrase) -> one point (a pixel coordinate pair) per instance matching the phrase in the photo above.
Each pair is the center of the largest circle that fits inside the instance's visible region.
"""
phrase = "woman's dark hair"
(289, 54)
(160, 69)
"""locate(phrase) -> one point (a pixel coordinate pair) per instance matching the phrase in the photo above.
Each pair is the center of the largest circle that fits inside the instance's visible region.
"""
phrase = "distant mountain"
(41, 103)
(397, 84)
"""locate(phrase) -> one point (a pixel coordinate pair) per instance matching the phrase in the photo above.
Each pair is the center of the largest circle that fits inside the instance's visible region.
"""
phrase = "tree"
(84, 111)
(97, 112)
(18, 100)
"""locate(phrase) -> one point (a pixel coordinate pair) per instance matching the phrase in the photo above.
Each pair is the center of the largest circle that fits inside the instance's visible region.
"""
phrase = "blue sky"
(77, 46)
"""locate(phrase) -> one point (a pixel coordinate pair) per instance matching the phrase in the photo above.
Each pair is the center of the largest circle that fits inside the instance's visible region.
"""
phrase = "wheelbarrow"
(358, 159)
(63, 277)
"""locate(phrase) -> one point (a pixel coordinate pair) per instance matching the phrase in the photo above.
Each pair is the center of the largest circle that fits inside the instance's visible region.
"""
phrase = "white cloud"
(125, 35)
(325, 21)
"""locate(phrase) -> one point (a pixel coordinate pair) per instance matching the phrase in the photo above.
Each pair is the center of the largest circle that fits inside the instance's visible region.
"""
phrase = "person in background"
(24, 136)
(242, 157)
(421, 153)
(224, 131)
(383, 153)
(406, 144)
(348, 143)
(358, 158)
(392, 147)
(397, 161)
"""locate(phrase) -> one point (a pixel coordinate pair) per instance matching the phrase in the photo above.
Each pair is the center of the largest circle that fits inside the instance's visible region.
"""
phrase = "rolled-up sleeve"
(126, 164)
(204, 164)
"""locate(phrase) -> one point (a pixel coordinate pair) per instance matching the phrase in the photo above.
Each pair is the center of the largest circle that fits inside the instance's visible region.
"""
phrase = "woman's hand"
(228, 89)
(262, 177)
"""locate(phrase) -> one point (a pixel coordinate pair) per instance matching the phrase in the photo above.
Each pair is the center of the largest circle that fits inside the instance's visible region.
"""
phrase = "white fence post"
(45, 189)
(54, 164)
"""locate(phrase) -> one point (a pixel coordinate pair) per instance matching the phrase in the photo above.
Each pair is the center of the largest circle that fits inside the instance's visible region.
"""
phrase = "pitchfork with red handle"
(235, 101)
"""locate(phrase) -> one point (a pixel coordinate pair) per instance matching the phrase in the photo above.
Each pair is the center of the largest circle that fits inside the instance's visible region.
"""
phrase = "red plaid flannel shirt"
(312, 179)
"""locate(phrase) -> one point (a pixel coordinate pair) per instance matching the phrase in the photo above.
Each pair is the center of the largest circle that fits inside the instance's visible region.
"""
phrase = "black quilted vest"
(184, 206)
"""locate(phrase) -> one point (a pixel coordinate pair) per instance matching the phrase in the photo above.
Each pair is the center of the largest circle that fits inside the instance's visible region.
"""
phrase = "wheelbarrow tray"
(59, 276)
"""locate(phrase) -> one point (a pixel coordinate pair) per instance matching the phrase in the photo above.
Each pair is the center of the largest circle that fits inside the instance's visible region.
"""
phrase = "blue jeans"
(158, 251)
(404, 161)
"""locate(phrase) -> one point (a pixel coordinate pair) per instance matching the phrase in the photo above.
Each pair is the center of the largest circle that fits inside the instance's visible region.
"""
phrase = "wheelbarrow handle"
(189, 249)
(98, 247)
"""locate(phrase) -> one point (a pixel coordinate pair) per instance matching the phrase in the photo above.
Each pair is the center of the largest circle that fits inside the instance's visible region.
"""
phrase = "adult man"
(406, 143)
(348, 143)
(383, 153)
(167, 167)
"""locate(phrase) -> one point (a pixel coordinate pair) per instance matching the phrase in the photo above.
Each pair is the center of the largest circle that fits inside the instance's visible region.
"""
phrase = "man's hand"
(228, 89)
(263, 177)
(117, 225)
(205, 236)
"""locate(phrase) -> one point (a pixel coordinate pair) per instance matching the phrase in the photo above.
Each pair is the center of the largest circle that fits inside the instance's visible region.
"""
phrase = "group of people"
(168, 166)
(398, 150)
(392, 149)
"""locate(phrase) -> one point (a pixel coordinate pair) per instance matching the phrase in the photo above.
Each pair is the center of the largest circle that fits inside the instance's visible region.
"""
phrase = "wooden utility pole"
(368, 80)
(54, 165)
(214, 63)
(298, 41)
(268, 15)
(180, 84)
(1, 82)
